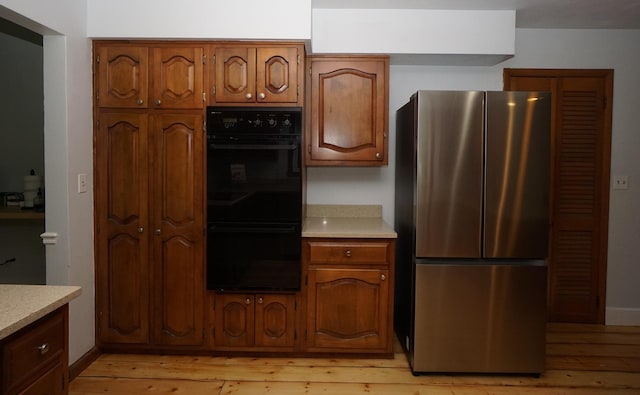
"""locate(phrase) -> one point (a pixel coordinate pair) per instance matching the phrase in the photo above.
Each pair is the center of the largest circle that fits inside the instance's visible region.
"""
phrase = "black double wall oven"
(254, 198)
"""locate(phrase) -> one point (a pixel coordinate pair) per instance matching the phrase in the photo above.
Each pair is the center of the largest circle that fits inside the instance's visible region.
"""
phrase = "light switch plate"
(620, 182)
(82, 183)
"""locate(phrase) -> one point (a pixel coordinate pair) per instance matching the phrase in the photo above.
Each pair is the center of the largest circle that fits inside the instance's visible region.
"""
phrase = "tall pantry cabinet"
(149, 200)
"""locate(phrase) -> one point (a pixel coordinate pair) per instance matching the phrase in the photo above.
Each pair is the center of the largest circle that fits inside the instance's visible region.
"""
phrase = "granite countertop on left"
(21, 305)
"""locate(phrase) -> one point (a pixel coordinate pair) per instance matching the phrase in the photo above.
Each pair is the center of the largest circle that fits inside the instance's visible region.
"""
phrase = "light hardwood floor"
(581, 360)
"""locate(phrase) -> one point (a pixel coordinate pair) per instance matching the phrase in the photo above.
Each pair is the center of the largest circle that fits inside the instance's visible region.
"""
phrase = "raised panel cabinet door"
(349, 112)
(122, 76)
(275, 320)
(121, 200)
(234, 320)
(347, 309)
(178, 74)
(177, 191)
(235, 75)
(277, 75)
(52, 382)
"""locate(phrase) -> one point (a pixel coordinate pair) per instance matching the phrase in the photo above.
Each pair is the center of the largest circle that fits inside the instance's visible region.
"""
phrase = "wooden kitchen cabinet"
(35, 359)
(348, 111)
(258, 74)
(149, 76)
(349, 291)
(149, 207)
(255, 321)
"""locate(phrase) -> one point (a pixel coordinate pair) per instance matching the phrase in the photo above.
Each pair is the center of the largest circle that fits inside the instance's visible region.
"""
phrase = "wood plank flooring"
(581, 360)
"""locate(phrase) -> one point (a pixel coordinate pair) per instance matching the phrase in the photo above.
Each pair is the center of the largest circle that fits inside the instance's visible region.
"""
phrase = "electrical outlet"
(621, 182)
(82, 183)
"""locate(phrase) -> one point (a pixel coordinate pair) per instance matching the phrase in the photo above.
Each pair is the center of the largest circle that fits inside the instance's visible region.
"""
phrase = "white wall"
(535, 48)
(195, 19)
(68, 150)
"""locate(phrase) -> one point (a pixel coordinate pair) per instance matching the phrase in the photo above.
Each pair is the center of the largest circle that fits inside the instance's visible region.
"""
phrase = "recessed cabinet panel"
(123, 80)
(246, 322)
(178, 77)
(149, 76)
(276, 76)
(349, 294)
(235, 74)
(350, 308)
(178, 244)
(150, 228)
(248, 74)
(348, 111)
(122, 236)
(275, 321)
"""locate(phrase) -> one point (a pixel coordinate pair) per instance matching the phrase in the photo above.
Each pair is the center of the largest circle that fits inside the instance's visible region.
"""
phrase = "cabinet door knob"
(158, 231)
(347, 253)
(139, 102)
(248, 96)
(247, 301)
(378, 155)
(158, 102)
(383, 277)
(260, 300)
(43, 348)
(261, 95)
(140, 229)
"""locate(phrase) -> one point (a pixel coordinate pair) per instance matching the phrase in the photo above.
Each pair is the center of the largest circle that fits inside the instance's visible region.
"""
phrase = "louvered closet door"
(580, 189)
(580, 234)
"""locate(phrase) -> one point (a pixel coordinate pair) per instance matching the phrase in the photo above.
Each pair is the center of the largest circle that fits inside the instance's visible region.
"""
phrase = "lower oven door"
(253, 256)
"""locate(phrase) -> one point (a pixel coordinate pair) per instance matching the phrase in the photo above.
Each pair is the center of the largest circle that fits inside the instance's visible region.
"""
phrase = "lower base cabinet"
(255, 322)
(349, 305)
(35, 359)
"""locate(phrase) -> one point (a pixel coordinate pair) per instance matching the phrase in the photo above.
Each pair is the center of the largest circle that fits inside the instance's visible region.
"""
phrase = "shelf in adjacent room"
(19, 213)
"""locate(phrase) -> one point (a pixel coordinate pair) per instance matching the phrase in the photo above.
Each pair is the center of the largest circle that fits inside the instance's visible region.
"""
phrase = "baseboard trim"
(83, 362)
(622, 316)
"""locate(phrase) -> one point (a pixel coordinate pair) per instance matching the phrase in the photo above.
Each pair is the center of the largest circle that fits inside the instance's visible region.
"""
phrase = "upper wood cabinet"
(349, 111)
(150, 76)
(255, 75)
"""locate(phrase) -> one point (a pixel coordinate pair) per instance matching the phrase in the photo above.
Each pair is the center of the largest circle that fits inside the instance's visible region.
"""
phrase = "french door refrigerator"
(472, 216)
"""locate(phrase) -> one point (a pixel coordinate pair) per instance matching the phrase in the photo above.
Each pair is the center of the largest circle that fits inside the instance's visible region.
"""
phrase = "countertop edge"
(341, 227)
(67, 294)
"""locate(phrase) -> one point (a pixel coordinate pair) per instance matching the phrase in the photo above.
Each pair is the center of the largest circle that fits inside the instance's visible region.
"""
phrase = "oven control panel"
(277, 120)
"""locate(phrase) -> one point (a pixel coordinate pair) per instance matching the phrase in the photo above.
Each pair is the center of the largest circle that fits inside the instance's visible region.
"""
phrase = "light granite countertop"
(21, 305)
(345, 221)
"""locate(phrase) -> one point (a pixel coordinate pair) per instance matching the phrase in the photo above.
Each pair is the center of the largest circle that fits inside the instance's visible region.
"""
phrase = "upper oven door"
(253, 171)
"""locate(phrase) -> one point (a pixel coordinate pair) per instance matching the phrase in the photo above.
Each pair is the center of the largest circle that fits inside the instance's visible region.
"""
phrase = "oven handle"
(288, 147)
(240, 229)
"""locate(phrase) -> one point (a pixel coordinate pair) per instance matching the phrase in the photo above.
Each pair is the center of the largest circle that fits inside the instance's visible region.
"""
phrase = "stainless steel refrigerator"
(472, 216)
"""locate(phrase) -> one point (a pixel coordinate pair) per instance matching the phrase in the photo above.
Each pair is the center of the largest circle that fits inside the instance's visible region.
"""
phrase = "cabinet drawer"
(36, 348)
(348, 252)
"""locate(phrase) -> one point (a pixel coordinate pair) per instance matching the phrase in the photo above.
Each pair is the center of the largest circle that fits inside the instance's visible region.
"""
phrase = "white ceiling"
(542, 14)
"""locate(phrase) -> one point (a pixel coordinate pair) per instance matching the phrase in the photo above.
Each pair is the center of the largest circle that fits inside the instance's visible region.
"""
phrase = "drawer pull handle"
(347, 253)
(247, 301)
(383, 277)
(260, 300)
(44, 348)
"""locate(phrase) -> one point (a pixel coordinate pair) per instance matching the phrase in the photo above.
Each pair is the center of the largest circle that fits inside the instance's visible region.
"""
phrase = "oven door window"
(253, 257)
(256, 181)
